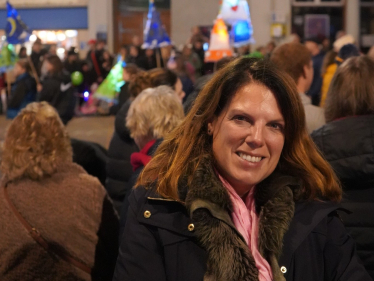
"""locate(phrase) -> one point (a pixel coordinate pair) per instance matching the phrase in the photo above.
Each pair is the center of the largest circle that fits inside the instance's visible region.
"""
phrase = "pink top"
(245, 220)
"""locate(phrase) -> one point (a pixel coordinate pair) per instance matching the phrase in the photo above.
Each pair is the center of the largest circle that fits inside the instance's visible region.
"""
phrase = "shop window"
(317, 21)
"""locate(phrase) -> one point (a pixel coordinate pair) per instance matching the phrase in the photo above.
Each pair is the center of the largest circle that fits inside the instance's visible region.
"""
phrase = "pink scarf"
(246, 222)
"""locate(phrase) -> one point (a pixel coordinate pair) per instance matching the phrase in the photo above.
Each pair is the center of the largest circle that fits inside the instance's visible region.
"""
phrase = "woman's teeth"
(249, 158)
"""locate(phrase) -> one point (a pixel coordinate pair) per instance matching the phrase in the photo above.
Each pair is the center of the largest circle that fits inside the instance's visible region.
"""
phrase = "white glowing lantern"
(61, 37)
(71, 33)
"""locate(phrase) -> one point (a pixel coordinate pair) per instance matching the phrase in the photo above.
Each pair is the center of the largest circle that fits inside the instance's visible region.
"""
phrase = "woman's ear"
(211, 125)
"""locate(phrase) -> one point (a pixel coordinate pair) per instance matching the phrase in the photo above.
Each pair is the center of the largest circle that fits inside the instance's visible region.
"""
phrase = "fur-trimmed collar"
(229, 257)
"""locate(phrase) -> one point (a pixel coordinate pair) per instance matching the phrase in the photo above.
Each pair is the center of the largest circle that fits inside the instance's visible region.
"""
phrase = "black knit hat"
(346, 52)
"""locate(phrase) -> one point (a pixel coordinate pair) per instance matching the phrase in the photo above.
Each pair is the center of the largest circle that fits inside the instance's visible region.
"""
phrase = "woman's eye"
(239, 118)
(276, 126)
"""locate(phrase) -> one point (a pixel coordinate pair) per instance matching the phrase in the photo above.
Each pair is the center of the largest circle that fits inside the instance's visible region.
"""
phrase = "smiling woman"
(248, 137)
(238, 191)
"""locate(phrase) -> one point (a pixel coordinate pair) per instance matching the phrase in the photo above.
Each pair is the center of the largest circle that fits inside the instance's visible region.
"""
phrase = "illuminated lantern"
(219, 42)
(155, 35)
(236, 13)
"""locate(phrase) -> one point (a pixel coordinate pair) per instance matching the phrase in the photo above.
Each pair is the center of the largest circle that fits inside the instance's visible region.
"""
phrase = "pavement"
(94, 128)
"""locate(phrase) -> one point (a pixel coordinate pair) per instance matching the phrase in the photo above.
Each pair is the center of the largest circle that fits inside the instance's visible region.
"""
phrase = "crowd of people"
(259, 167)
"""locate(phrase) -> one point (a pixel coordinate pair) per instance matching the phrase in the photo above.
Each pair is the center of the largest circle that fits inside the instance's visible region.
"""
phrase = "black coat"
(92, 157)
(348, 144)
(167, 240)
(59, 92)
(132, 182)
(23, 92)
(118, 167)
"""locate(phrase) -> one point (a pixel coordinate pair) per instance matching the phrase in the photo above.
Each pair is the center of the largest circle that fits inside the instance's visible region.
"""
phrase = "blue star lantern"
(155, 35)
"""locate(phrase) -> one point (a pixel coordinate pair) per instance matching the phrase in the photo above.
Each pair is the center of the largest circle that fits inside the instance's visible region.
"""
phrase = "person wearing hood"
(57, 88)
(346, 142)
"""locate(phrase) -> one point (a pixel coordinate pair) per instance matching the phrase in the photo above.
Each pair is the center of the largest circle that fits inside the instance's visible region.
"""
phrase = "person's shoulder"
(308, 216)
(313, 110)
(315, 208)
(76, 174)
(141, 193)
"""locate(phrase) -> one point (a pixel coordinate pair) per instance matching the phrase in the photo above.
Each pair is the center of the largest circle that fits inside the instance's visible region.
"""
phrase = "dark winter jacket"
(118, 168)
(348, 144)
(123, 97)
(167, 240)
(23, 92)
(132, 182)
(315, 89)
(92, 157)
(59, 92)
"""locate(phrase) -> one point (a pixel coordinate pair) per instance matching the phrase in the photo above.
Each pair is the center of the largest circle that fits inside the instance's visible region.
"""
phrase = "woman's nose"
(255, 137)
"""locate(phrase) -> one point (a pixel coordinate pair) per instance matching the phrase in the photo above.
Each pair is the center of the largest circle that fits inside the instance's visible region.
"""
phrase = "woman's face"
(179, 90)
(248, 137)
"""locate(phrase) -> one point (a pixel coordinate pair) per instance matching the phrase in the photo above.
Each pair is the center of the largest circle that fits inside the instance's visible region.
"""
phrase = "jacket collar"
(209, 206)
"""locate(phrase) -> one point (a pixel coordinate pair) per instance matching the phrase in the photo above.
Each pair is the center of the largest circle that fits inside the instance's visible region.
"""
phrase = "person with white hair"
(151, 117)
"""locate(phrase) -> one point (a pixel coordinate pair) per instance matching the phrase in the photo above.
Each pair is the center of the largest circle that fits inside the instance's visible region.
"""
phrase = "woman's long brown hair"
(187, 145)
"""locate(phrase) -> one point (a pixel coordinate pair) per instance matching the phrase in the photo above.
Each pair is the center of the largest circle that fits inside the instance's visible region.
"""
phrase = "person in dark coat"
(136, 57)
(238, 191)
(92, 157)
(317, 57)
(72, 63)
(152, 115)
(57, 89)
(107, 63)
(23, 90)
(118, 167)
(36, 55)
(346, 141)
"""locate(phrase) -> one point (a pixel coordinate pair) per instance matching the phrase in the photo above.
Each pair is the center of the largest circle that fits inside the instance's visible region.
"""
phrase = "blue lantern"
(155, 35)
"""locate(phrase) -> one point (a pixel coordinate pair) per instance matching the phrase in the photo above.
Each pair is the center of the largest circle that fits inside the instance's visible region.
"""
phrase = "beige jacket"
(71, 210)
(314, 115)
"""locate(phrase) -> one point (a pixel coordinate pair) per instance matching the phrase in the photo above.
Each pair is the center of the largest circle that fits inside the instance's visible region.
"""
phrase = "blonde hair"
(154, 113)
(35, 144)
